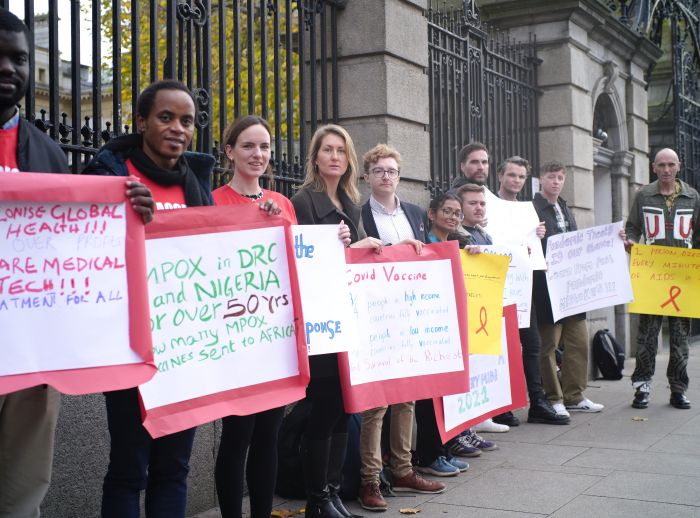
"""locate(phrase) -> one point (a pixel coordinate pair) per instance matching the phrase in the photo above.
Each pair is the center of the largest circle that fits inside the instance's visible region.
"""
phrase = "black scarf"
(132, 147)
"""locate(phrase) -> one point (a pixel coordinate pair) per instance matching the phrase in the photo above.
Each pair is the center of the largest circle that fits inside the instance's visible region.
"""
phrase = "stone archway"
(611, 174)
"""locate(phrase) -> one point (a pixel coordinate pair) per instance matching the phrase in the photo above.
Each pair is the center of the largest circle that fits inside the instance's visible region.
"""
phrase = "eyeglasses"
(378, 172)
(452, 214)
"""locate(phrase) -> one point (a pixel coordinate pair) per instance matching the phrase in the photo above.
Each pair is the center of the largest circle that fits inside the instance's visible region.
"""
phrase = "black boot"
(315, 456)
(336, 461)
(541, 411)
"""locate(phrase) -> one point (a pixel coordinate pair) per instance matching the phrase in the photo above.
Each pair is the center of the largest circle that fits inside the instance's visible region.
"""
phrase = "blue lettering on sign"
(331, 327)
(302, 251)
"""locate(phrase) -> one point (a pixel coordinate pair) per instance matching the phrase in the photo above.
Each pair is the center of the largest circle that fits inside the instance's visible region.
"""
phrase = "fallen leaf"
(409, 510)
(639, 418)
(284, 513)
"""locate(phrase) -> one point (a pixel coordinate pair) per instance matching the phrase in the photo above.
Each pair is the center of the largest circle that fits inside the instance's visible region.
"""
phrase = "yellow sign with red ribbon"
(665, 280)
(484, 279)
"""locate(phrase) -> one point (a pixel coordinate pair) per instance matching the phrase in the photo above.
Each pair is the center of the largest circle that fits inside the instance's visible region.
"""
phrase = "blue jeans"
(138, 462)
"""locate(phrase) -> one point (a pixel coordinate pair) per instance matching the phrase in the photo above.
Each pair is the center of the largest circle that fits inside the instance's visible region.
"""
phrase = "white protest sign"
(407, 320)
(587, 270)
(514, 223)
(518, 288)
(63, 278)
(320, 260)
(489, 381)
(221, 313)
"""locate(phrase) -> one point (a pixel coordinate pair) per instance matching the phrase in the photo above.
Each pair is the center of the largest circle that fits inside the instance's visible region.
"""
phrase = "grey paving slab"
(648, 462)
(670, 489)
(592, 506)
(553, 468)
(524, 454)
(519, 490)
(677, 443)
(692, 426)
(433, 510)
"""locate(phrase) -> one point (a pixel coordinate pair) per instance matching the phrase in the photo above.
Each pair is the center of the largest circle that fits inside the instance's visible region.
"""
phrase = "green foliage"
(218, 77)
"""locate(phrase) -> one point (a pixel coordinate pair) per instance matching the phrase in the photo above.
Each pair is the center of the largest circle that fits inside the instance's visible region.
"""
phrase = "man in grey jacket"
(665, 212)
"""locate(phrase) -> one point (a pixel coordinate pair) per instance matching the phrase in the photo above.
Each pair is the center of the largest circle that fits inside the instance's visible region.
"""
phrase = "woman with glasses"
(329, 195)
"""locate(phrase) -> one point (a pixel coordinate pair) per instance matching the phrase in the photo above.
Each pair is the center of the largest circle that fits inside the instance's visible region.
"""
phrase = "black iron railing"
(276, 58)
(482, 88)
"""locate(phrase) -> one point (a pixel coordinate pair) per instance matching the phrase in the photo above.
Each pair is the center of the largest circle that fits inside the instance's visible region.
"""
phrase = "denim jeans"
(138, 462)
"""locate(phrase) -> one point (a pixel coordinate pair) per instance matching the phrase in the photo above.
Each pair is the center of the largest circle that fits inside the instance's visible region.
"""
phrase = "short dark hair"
(469, 149)
(147, 97)
(439, 200)
(516, 160)
(552, 166)
(239, 126)
(10, 22)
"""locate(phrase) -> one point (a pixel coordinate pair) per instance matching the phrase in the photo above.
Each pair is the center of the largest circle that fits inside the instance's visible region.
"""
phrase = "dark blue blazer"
(417, 218)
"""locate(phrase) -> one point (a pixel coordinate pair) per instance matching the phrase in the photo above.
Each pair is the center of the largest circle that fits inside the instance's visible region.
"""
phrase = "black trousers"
(531, 344)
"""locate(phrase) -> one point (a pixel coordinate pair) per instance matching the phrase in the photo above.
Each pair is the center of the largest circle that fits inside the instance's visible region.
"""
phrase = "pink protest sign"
(225, 316)
(73, 304)
(497, 384)
(412, 326)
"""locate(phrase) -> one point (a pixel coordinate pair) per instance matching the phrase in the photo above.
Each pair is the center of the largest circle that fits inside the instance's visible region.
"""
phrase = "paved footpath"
(610, 464)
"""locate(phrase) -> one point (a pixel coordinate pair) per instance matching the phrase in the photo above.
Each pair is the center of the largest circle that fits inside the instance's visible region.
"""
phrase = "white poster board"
(329, 323)
(514, 223)
(407, 320)
(587, 270)
(518, 288)
(221, 313)
(63, 278)
(489, 382)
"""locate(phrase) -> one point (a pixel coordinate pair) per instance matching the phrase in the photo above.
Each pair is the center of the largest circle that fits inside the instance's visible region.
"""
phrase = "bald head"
(666, 166)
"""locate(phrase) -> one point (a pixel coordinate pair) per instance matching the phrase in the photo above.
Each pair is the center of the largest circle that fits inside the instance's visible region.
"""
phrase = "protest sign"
(484, 279)
(320, 261)
(73, 306)
(587, 270)
(224, 307)
(665, 280)
(518, 288)
(497, 385)
(515, 223)
(411, 317)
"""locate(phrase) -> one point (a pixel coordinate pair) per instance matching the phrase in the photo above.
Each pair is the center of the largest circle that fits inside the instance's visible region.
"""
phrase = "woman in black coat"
(329, 195)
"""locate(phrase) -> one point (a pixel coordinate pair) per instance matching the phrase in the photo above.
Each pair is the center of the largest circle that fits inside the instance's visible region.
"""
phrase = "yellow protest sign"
(484, 279)
(665, 280)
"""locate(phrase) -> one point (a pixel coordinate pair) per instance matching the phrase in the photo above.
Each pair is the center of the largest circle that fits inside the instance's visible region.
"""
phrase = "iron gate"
(482, 88)
(275, 58)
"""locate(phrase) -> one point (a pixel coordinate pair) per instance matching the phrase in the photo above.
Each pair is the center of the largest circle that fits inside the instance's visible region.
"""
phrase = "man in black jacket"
(28, 417)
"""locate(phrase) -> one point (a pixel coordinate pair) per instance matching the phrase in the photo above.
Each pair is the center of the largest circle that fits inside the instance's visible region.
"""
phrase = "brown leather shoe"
(414, 483)
(371, 498)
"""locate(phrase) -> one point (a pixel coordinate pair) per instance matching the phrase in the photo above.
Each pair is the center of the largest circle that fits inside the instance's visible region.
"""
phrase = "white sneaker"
(489, 426)
(560, 409)
(585, 405)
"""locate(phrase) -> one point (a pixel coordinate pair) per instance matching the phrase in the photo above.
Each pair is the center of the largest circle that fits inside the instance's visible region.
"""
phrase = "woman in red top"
(247, 147)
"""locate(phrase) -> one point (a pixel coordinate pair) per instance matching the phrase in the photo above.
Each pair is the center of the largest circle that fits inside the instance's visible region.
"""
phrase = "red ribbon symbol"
(673, 293)
(483, 320)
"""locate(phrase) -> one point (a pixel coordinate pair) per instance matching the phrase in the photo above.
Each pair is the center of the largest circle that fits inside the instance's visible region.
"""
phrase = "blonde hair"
(378, 152)
(314, 181)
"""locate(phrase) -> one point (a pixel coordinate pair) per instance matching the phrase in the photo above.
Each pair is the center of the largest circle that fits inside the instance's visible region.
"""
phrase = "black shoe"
(506, 418)
(641, 397)
(541, 412)
(336, 460)
(678, 400)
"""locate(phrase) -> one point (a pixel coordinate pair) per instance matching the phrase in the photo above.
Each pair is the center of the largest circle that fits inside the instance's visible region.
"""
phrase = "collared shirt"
(12, 122)
(392, 226)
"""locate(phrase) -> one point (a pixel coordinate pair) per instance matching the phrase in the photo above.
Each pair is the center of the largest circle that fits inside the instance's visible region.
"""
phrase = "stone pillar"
(384, 97)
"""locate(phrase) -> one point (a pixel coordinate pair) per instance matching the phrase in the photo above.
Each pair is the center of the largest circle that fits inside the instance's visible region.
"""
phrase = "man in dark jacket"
(28, 417)
(665, 212)
(565, 394)
(394, 222)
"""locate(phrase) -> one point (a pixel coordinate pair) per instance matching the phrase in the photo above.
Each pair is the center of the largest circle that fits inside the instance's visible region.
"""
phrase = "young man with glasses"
(394, 222)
